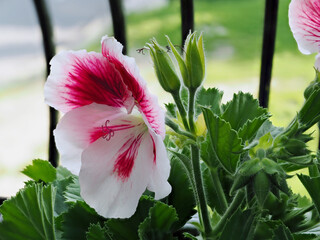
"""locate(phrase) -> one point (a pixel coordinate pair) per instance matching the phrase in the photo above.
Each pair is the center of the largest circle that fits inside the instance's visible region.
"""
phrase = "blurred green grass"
(233, 31)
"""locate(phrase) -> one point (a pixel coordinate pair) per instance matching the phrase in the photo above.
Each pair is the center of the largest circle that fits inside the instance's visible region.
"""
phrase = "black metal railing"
(187, 25)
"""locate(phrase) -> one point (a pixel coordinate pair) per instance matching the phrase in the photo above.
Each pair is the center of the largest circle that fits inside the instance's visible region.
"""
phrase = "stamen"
(107, 132)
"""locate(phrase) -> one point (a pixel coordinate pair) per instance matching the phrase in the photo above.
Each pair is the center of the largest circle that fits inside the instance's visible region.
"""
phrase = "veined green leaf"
(312, 185)
(127, 229)
(29, 215)
(209, 98)
(224, 140)
(77, 220)
(40, 170)
(96, 232)
(159, 223)
(240, 109)
(239, 226)
(182, 199)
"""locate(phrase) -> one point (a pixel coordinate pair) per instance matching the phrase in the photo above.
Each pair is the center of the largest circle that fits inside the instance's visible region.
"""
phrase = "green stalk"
(191, 110)
(219, 190)
(181, 110)
(232, 208)
(201, 197)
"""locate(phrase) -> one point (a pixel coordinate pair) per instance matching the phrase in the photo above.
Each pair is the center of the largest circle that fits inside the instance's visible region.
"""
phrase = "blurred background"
(232, 31)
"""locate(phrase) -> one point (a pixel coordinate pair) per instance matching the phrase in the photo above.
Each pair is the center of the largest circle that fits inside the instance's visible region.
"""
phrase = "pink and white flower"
(304, 20)
(112, 131)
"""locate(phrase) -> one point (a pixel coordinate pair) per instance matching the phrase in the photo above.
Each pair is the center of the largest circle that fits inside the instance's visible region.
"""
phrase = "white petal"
(102, 188)
(161, 169)
(304, 21)
(76, 130)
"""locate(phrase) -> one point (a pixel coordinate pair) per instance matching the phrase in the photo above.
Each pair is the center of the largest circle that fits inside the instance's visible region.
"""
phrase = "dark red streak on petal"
(125, 160)
(95, 79)
(142, 99)
(154, 150)
(101, 131)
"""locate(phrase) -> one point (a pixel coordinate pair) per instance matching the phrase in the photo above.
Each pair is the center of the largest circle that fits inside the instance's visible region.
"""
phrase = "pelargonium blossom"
(113, 128)
(304, 20)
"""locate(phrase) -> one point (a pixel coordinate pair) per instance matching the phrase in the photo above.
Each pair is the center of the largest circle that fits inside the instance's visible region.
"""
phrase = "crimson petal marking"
(126, 156)
(86, 78)
(146, 102)
(106, 129)
(304, 20)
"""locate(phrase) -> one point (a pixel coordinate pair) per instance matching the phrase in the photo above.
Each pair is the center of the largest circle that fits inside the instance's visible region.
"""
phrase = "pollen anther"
(107, 132)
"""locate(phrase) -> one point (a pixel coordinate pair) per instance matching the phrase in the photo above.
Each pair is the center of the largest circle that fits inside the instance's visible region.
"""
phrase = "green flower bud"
(164, 68)
(195, 61)
(313, 86)
(192, 65)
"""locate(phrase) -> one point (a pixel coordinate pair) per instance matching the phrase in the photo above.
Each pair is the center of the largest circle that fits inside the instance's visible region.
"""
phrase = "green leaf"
(181, 198)
(213, 198)
(207, 154)
(301, 236)
(62, 173)
(127, 229)
(96, 232)
(77, 220)
(224, 140)
(171, 110)
(60, 205)
(159, 224)
(239, 226)
(209, 98)
(282, 233)
(267, 127)
(72, 192)
(312, 185)
(29, 215)
(250, 128)
(40, 170)
(241, 108)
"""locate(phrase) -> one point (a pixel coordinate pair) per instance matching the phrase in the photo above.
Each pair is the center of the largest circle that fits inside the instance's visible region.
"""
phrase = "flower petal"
(78, 78)
(84, 125)
(146, 102)
(304, 20)
(114, 191)
(161, 168)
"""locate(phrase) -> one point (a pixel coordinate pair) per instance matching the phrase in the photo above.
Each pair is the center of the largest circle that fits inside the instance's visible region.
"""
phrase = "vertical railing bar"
(118, 22)
(187, 18)
(2, 199)
(49, 49)
(269, 36)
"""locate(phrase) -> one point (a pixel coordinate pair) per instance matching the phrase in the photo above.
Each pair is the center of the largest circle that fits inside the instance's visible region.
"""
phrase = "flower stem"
(219, 190)
(191, 110)
(201, 197)
(181, 110)
(233, 206)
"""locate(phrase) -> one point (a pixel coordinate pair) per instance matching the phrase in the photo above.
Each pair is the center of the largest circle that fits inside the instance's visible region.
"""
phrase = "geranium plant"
(215, 171)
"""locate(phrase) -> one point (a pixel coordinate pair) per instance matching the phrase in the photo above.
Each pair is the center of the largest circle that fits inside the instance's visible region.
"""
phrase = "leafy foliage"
(29, 215)
(224, 140)
(40, 170)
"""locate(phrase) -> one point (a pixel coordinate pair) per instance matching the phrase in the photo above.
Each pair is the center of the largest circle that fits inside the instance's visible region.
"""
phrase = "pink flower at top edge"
(304, 20)
(112, 131)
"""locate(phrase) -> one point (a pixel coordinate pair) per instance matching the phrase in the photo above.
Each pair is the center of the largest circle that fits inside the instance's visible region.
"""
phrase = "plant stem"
(219, 190)
(191, 110)
(233, 206)
(181, 110)
(175, 127)
(201, 197)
